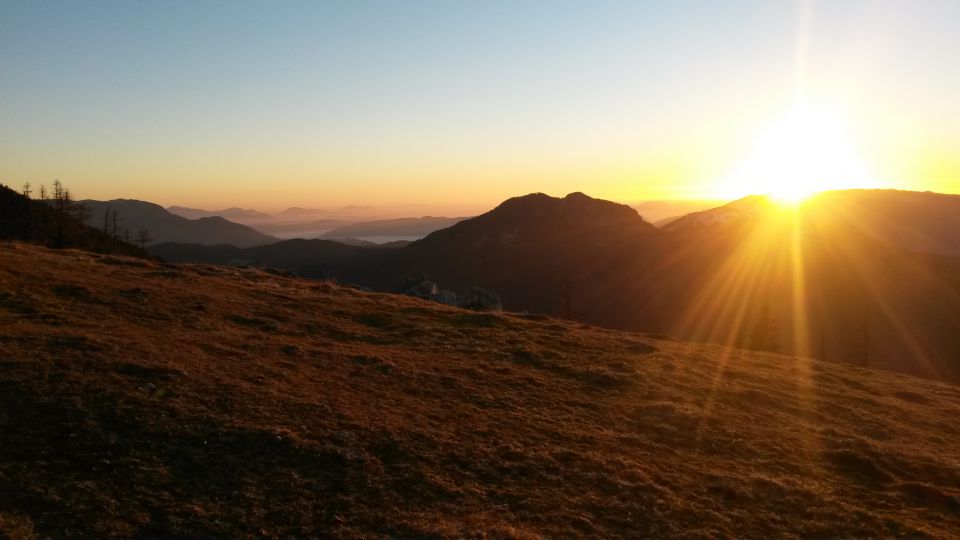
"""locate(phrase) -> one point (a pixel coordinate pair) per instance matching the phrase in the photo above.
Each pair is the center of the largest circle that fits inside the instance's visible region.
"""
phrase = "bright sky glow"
(463, 104)
(806, 150)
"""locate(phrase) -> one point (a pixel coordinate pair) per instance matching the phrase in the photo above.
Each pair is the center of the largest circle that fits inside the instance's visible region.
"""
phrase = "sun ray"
(805, 150)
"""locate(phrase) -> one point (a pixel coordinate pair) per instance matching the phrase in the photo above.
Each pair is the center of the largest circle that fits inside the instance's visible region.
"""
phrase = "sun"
(806, 150)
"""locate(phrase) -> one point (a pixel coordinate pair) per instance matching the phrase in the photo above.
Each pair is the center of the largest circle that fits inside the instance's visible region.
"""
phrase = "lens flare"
(806, 150)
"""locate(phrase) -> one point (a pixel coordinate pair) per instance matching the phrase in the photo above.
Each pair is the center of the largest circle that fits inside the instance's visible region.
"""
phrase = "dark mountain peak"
(128, 203)
(165, 226)
(213, 219)
(535, 222)
(739, 211)
(36, 221)
(575, 205)
(751, 202)
(524, 200)
(234, 213)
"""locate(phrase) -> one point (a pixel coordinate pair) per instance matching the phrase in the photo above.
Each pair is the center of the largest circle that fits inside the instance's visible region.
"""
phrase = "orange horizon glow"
(399, 107)
(806, 150)
(790, 154)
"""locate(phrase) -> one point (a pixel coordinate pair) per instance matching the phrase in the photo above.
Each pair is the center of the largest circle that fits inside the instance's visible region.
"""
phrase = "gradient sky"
(275, 104)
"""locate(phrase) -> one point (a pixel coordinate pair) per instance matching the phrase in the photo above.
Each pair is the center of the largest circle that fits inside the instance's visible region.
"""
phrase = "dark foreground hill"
(147, 400)
(314, 258)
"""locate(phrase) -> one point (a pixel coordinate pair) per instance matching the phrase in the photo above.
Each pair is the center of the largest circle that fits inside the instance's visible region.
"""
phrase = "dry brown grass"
(138, 399)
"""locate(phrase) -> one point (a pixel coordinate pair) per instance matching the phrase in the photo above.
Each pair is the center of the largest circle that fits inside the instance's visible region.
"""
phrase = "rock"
(419, 286)
(445, 297)
(477, 298)
(480, 299)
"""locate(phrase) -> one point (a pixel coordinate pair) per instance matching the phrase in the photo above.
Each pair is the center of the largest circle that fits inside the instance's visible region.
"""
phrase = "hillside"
(150, 400)
(660, 211)
(164, 226)
(836, 288)
(737, 212)
(922, 222)
(55, 223)
(527, 249)
(309, 257)
(919, 221)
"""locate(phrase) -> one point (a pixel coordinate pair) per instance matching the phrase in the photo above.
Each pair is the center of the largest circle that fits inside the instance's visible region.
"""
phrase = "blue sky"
(357, 102)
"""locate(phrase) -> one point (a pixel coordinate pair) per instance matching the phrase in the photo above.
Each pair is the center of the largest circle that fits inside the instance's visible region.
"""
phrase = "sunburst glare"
(805, 150)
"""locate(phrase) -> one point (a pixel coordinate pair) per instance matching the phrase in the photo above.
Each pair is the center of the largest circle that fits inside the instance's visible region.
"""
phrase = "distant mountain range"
(866, 276)
(922, 222)
(163, 226)
(239, 215)
(660, 211)
(338, 223)
(736, 212)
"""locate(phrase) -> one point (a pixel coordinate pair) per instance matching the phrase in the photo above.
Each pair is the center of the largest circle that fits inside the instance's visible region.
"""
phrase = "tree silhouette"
(56, 222)
(143, 238)
(106, 221)
(61, 204)
(115, 220)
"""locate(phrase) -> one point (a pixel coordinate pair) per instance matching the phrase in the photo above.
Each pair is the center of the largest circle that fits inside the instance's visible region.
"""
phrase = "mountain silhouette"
(737, 212)
(164, 226)
(838, 283)
(50, 223)
(919, 221)
(239, 215)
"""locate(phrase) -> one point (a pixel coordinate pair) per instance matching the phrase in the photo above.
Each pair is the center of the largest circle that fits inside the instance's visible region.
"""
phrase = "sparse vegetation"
(56, 222)
(204, 401)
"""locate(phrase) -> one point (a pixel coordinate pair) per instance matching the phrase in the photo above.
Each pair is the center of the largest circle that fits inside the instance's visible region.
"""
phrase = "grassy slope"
(151, 400)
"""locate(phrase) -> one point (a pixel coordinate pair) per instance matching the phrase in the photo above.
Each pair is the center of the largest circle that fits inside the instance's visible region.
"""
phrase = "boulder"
(419, 286)
(445, 297)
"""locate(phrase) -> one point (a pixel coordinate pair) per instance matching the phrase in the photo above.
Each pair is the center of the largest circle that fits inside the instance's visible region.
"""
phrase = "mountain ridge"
(164, 226)
(599, 262)
(234, 213)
